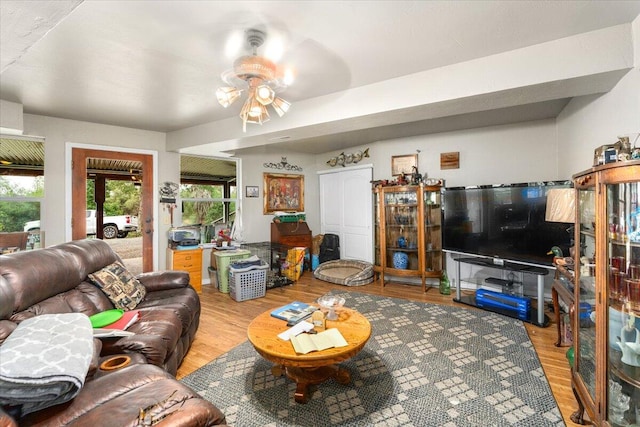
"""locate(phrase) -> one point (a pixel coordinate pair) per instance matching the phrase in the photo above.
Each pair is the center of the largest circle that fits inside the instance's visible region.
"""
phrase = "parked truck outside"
(112, 226)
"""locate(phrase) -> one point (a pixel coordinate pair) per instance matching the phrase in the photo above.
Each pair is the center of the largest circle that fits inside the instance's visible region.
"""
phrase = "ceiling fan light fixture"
(259, 75)
(253, 112)
(227, 94)
(280, 106)
(265, 95)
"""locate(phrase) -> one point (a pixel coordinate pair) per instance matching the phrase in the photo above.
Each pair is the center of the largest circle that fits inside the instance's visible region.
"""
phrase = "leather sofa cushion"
(33, 276)
(86, 299)
(156, 334)
(168, 279)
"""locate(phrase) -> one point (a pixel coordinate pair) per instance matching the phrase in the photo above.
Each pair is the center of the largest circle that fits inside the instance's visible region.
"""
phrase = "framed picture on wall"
(252, 191)
(283, 192)
(403, 164)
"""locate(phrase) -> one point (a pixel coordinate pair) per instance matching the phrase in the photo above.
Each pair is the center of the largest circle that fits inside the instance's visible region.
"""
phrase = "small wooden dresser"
(291, 234)
(189, 260)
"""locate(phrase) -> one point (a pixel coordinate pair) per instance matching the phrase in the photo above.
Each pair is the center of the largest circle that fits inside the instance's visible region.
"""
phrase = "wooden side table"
(317, 366)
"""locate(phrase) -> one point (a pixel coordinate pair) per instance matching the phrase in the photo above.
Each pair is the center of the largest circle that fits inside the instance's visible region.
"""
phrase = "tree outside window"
(205, 204)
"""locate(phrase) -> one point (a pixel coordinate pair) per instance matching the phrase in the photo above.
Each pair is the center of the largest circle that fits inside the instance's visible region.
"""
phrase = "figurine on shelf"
(618, 403)
(630, 349)
(402, 179)
(416, 178)
(559, 258)
(380, 183)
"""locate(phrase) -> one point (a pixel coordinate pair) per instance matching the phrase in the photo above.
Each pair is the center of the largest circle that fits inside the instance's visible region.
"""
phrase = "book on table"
(293, 312)
(306, 343)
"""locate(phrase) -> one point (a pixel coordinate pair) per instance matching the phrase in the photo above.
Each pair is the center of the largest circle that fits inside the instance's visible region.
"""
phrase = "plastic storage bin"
(213, 276)
(248, 283)
(223, 261)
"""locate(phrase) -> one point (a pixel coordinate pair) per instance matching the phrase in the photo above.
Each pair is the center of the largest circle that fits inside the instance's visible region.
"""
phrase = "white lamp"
(561, 205)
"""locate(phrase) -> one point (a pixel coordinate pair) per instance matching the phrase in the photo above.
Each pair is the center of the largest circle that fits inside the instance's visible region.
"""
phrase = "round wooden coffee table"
(314, 367)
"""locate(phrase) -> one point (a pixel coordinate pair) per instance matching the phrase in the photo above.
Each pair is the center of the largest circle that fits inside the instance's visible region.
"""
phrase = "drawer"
(303, 241)
(190, 260)
(190, 266)
(189, 257)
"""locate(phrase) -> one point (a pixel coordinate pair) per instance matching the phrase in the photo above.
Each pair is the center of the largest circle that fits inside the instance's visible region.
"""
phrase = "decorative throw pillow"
(124, 290)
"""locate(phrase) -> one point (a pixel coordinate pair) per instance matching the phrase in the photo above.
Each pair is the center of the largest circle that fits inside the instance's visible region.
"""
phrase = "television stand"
(536, 314)
(500, 282)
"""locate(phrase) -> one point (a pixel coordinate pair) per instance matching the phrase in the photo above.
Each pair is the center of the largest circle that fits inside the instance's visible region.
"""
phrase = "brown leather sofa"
(55, 280)
(138, 394)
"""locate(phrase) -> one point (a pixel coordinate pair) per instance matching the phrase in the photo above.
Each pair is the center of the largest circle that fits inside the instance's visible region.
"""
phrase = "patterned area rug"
(424, 365)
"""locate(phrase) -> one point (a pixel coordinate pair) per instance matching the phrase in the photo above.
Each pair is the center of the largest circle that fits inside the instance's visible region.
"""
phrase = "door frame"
(148, 224)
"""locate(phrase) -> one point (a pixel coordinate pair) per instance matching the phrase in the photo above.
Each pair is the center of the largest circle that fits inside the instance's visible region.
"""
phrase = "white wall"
(493, 155)
(58, 132)
(590, 121)
(515, 153)
(505, 154)
(256, 225)
(11, 118)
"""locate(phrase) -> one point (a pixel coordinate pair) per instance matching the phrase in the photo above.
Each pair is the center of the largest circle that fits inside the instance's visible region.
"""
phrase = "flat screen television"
(503, 221)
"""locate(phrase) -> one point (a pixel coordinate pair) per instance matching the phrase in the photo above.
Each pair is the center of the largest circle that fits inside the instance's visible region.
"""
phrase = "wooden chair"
(14, 239)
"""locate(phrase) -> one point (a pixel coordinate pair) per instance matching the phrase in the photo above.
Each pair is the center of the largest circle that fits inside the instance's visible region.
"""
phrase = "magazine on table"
(294, 312)
(128, 318)
(306, 343)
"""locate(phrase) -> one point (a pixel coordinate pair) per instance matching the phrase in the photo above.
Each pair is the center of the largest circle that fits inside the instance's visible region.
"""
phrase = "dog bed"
(348, 272)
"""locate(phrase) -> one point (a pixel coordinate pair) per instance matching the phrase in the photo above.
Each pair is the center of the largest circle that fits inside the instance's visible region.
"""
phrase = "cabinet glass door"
(401, 229)
(376, 232)
(623, 254)
(585, 295)
(432, 230)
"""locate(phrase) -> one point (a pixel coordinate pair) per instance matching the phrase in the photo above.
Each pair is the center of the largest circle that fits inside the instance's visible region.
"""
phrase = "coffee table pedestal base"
(304, 377)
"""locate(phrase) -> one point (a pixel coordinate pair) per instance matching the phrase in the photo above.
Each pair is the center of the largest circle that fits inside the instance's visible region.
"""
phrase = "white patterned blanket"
(45, 361)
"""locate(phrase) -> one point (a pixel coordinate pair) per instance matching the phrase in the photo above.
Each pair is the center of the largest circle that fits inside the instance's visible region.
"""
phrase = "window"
(208, 193)
(21, 187)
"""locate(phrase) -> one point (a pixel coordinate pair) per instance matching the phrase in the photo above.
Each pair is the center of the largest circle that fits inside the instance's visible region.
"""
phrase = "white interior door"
(346, 210)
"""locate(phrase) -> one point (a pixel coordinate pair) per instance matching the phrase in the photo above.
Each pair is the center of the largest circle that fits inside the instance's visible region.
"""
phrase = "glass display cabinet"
(431, 201)
(408, 240)
(606, 369)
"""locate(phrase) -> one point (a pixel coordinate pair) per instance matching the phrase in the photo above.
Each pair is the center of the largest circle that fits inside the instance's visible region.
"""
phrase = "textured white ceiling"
(156, 64)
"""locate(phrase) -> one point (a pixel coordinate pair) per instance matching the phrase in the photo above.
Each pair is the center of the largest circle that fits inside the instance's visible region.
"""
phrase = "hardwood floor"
(223, 325)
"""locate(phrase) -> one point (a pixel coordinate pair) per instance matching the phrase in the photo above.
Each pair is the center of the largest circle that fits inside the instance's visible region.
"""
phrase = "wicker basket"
(248, 283)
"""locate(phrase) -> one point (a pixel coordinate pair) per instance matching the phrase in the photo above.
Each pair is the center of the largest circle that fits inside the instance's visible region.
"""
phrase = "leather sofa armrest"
(161, 280)
(152, 347)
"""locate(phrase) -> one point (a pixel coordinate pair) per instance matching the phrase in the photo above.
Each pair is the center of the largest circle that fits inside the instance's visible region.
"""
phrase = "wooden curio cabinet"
(408, 234)
(606, 370)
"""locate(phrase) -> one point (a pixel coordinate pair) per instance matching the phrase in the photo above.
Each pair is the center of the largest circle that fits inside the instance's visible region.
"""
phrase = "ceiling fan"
(261, 78)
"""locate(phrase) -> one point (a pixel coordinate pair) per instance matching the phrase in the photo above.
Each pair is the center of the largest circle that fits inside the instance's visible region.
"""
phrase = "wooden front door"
(79, 203)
